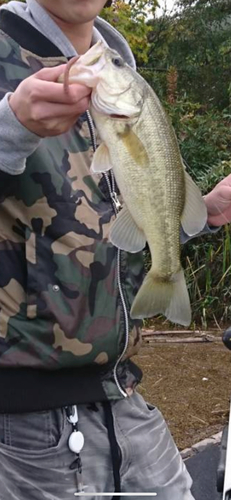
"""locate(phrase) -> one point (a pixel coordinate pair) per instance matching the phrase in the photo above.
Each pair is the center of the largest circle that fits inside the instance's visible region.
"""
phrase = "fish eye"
(117, 61)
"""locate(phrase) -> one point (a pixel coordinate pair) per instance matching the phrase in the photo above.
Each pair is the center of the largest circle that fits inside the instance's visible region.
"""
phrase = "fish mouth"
(119, 117)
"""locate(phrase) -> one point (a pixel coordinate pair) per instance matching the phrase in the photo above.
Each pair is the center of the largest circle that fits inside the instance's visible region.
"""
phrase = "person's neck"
(80, 35)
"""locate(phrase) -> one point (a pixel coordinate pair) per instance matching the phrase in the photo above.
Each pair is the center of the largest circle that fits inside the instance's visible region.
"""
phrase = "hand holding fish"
(218, 203)
(42, 106)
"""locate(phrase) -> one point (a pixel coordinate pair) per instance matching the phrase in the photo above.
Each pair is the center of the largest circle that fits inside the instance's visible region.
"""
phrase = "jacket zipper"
(116, 206)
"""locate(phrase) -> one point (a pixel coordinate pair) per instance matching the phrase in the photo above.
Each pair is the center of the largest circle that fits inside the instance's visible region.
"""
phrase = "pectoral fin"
(194, 216)
(101, 160)
(125, 234)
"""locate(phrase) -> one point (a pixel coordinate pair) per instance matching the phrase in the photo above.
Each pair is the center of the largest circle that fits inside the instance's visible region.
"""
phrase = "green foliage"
(204, 137)
(130, 20)
(207, 263)
(197, 41)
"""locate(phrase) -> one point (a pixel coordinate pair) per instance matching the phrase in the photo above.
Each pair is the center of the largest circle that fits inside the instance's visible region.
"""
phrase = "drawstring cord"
(115, 451)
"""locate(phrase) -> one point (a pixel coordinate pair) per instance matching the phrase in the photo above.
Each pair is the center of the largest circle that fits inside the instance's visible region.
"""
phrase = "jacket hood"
(37, 16)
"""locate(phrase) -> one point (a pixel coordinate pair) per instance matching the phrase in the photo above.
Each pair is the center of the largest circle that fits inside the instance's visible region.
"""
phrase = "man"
(65, 291)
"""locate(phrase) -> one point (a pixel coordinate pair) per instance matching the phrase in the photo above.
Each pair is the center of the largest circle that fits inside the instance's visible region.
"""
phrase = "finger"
(221, 219)
(221, 201)
(46, 111)
(226, 181)
(50, 74)
(224, 194)
(218, 200)
(227, 214)
(54, 92)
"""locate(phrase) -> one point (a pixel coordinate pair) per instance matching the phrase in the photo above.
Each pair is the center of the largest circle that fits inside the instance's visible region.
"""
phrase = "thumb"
(218, 200)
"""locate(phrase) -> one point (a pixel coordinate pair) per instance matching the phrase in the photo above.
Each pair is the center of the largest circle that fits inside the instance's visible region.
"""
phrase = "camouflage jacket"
(65, 291)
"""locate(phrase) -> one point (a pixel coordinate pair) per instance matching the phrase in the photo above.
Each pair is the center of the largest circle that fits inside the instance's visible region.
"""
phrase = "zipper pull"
(116, 201)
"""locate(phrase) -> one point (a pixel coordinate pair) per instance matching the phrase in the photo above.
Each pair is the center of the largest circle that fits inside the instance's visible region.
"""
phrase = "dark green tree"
(197, 41)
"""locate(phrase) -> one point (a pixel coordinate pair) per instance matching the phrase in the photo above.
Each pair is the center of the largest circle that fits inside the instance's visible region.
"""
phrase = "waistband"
(26, 389)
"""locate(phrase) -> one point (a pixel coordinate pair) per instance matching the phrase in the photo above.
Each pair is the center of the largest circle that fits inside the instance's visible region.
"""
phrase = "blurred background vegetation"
(185, 55)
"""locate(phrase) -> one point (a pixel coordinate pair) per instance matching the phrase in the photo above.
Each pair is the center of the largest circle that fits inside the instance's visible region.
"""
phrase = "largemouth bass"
(139, 144)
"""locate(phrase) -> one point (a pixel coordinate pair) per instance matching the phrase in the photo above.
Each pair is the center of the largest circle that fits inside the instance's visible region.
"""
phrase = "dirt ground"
(190, 383)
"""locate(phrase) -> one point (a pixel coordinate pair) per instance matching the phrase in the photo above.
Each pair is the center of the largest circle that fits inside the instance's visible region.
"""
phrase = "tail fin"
(169, 298)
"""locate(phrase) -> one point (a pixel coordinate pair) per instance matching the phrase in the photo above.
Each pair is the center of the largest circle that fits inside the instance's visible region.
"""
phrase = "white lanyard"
(75, 443)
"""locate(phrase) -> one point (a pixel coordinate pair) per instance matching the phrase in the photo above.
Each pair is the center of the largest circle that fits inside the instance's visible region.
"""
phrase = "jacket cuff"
(17, 142)
(207, 230)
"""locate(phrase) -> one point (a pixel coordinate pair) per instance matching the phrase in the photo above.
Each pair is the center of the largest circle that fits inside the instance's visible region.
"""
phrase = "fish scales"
(162, 206)
(139, 144)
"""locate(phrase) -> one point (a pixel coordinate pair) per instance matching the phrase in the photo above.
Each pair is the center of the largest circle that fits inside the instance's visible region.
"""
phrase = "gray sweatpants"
(35, 459)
